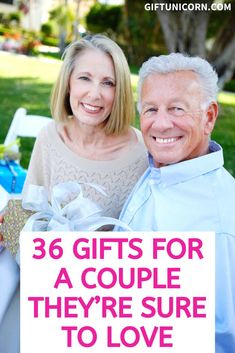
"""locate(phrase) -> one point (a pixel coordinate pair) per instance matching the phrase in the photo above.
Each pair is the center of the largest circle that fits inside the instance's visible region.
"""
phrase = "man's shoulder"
(228, 175)
(227, 184)
(225, 199)
(137, 197)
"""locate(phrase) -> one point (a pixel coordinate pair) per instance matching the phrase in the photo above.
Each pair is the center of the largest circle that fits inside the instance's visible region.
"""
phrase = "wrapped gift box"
(36, 213)
(12, 176)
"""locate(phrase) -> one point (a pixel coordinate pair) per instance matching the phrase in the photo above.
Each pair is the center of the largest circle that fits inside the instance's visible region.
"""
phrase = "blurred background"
(34, 34)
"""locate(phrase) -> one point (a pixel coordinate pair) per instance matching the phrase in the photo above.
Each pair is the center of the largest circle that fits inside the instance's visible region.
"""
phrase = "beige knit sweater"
(52, 162)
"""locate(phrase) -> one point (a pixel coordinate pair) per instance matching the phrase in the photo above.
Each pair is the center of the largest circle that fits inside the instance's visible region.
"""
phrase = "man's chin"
(165, 162)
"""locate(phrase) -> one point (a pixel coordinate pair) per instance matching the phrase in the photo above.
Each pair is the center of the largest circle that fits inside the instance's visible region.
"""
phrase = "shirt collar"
(186, 170)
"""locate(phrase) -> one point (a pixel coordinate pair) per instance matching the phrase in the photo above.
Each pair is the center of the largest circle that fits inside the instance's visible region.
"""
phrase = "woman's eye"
(109, 83)
(84, 78)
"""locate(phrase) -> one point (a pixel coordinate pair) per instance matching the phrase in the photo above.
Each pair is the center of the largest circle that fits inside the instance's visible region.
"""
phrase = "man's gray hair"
(165, 64)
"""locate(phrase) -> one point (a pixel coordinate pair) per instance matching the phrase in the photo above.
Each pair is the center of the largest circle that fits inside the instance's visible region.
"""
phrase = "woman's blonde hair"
(122, 111)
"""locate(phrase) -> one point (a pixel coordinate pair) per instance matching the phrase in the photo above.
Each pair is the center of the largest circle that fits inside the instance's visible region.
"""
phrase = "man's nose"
(163, 120)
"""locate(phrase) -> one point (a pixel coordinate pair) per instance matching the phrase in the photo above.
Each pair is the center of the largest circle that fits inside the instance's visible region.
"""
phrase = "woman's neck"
(92, 142)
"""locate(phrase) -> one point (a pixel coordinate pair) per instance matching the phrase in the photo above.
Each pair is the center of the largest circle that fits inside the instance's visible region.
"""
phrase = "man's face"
(174, 123)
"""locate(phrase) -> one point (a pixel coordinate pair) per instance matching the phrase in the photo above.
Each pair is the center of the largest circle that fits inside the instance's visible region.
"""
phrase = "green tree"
(141, 32)
(189, 31)
(76, 20)
(104, 18)
(208, 34)
(63, 16)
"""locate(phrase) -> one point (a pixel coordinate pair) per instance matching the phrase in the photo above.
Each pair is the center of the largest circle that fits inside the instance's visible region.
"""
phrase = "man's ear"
(211, 116)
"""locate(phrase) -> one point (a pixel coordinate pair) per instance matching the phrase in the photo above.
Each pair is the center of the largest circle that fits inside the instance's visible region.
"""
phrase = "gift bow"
(81, 214)
(9, 150)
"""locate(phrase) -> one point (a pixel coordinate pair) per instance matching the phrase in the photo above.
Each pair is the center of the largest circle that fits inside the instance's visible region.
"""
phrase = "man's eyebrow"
(173, 101)
(177, 100)
(147, 104)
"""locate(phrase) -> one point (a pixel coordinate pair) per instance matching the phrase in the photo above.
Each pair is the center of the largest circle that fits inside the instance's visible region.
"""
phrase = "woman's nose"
(94, 91)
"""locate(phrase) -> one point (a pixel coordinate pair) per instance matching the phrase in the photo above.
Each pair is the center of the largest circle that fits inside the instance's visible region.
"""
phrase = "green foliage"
(29, 39)
(49, 54)
(28, 84)
(104, 18)
(14, 16)
(217, 20)
(51, 41)
(224, 133)
(5, 30)
(19, 40)
(230, 86)
(49, 34)
(10, 19)
(142, 33)
(62, 15)
(30, 42)
(47, 29)
(1, 17)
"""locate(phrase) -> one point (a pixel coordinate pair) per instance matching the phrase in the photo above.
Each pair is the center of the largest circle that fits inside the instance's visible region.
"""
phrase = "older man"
(186, 187)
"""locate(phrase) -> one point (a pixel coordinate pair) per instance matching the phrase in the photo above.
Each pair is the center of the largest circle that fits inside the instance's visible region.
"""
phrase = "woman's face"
(92, 87)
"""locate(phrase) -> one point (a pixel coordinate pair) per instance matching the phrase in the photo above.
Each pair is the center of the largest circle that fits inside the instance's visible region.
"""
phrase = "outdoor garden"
(26, 80)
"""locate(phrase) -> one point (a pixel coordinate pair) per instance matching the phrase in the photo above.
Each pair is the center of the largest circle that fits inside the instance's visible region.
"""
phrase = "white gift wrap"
(81, 214)
(4, 197)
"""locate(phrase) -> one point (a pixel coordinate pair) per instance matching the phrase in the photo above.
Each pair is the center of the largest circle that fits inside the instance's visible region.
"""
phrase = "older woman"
(90, 139)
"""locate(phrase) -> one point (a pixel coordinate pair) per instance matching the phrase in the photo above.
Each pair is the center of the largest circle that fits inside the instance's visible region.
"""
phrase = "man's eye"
(177, 110)
(151, 110)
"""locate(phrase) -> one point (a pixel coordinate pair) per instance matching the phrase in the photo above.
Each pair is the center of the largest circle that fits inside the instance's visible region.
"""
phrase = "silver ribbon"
(81, 214)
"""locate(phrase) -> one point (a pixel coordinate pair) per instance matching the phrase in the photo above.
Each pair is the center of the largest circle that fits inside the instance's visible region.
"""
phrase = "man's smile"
(165, 140)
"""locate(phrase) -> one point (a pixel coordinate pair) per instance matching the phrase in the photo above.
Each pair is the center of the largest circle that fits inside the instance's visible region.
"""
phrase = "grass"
(27, 82)
(224, 131)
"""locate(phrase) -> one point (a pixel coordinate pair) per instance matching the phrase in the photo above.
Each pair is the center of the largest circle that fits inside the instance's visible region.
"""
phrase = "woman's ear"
(211, 116)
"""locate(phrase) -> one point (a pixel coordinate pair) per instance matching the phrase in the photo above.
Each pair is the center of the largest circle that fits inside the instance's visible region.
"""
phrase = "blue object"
(12, 176)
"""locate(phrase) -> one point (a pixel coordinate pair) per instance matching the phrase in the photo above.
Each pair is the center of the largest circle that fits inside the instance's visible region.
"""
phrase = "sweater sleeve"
(37, 171)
